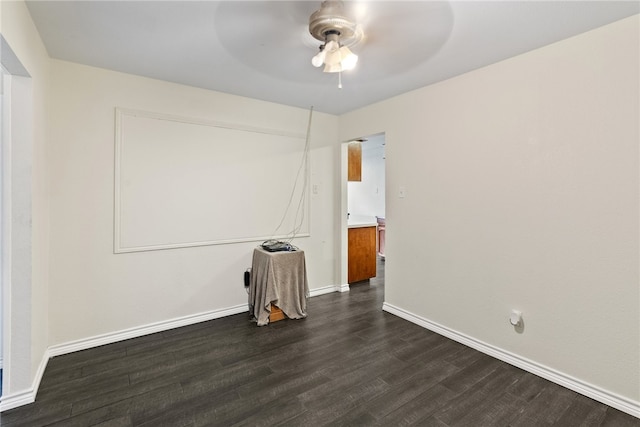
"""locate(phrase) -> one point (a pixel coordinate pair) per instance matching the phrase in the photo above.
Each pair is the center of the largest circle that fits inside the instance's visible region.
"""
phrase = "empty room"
(192, 231)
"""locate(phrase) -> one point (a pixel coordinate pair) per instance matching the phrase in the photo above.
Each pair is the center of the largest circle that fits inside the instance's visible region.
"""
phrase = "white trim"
(5, 225)
(110, 338)
(205, 122)
(24, 397)
(325, 290)
(608, 398)
(124, 250)
(343, 261)
(344, 288)
(165, 325)
(14, 400)
(118, 247)
(5, 229)
(3, 119)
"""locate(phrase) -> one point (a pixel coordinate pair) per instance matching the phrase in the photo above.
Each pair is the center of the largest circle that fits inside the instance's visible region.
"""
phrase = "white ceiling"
(262, 49)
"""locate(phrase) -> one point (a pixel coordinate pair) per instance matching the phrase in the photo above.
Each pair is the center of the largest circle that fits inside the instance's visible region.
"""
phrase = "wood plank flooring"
(347, 364)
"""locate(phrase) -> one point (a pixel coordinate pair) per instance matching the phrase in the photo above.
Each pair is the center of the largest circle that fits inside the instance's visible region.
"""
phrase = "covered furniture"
(280, 279)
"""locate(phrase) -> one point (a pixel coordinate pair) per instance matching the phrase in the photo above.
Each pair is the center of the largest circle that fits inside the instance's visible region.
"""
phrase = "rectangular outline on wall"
(120, 112)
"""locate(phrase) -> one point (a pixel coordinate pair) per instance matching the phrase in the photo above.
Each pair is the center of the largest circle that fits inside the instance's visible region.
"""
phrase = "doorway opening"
(364, 203)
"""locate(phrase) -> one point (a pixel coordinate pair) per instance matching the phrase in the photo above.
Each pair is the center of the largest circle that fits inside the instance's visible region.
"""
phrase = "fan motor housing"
(330, 18)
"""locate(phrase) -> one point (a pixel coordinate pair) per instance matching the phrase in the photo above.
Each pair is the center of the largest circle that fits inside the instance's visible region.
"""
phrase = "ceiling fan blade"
(274, 36)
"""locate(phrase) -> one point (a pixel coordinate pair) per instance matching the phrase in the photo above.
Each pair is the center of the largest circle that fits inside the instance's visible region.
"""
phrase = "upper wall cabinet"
(355, 161)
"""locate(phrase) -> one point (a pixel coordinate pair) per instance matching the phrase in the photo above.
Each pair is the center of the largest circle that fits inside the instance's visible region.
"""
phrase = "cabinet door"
(362, 254)
(355, 161)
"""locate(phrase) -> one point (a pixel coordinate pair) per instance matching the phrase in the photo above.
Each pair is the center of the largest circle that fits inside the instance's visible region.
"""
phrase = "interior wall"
(93, 290)
(29, 209)
(522, 193)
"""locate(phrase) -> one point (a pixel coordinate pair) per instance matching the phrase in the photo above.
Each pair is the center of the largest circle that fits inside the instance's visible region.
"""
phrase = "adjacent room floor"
(347, 364)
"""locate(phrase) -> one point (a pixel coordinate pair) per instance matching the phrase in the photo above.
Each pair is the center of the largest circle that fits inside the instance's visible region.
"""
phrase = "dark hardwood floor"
(347, 364)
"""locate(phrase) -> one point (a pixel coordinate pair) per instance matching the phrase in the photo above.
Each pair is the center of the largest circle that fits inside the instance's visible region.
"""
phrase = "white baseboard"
(324, 290)
(343, 288)
(20, 398)
(165, 325)
(24, 397)
(139, 331)
(611, 399)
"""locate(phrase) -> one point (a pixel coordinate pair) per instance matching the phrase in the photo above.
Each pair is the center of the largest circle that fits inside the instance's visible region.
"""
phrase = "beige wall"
(93, 290)
(522, 193)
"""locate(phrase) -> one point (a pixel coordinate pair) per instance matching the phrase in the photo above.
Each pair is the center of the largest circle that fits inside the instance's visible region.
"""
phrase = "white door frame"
(342, 264)
(2, 120)
(5, 228)
(16, 142)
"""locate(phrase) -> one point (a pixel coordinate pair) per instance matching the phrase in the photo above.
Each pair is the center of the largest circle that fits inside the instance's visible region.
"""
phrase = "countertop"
(358, 221)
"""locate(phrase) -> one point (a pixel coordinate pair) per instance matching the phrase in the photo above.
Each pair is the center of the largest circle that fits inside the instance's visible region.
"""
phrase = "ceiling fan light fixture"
(339, 60)
(332, 68)
(348, 58)
(329, 24)
(327, 53)
(318, 60)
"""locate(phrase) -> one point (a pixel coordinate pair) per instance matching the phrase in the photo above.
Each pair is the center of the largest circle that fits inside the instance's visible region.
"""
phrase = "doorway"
(364, 206)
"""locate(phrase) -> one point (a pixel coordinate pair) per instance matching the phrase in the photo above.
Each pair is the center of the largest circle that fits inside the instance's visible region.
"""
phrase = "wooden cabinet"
(355, 161)
(362, 254)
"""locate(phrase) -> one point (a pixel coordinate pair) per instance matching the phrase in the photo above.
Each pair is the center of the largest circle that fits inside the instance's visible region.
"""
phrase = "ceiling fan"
(331, 25)
(279, 38)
